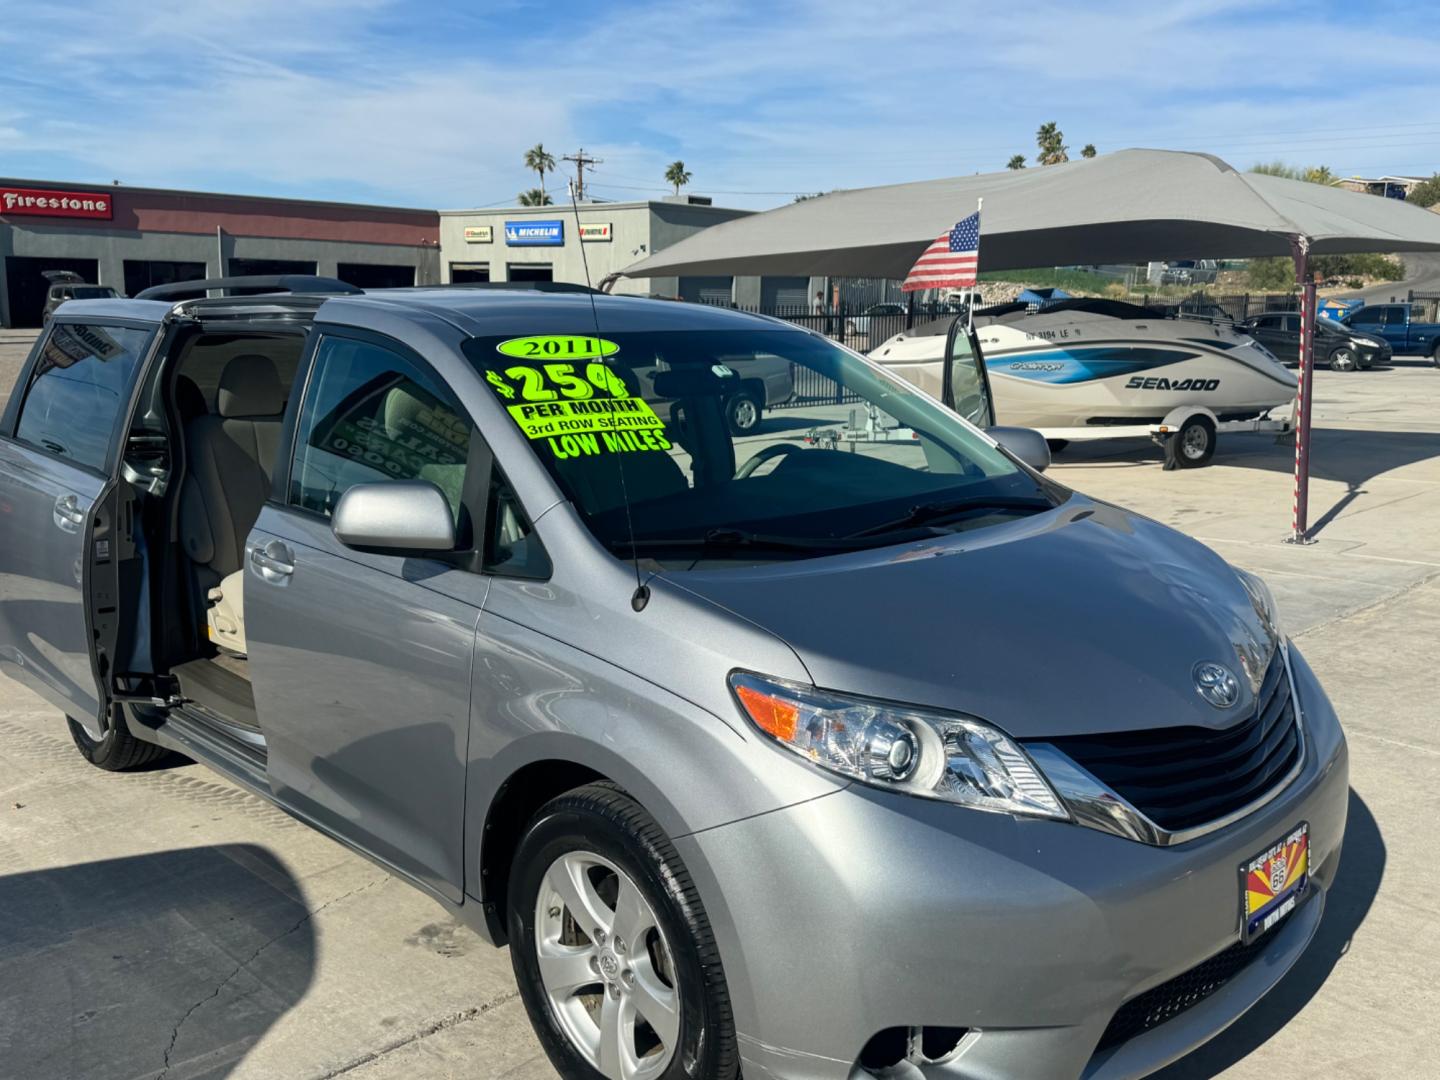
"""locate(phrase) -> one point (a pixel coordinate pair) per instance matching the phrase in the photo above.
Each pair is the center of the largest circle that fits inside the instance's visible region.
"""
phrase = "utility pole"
(581, 161)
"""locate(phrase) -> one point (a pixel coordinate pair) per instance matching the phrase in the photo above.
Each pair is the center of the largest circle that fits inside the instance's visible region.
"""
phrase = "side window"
(1369, 316)
(371, 415)
(80, 386)
(511, 548)
(1292, 324)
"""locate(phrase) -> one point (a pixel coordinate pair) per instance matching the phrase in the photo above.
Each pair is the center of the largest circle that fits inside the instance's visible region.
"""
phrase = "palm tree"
(1319, 174)
(541, 161)
(535, 197)
(1051, 142)
(1017, 161)
(1088, 151)
(676, 175)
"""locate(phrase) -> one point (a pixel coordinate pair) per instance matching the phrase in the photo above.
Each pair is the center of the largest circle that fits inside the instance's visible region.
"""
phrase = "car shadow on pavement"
(171, 964)
(1362, 866)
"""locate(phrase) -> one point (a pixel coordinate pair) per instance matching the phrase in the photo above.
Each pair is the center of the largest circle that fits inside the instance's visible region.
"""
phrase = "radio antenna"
(642, 591)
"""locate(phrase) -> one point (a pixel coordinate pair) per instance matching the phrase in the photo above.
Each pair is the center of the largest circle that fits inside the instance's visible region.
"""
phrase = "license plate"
(1274, 882)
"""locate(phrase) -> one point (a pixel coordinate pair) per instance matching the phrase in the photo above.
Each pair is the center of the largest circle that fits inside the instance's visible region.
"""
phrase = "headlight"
(932, 755)
(1367, 343)
(1263, 600)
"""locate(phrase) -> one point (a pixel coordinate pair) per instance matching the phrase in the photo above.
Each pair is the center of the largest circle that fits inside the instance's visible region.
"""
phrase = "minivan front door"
(967, 383)
(57, 447)
(361, 662)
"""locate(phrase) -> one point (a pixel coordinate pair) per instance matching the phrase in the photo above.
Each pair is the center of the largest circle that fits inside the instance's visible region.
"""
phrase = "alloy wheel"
(606, 967)
(1343, 359)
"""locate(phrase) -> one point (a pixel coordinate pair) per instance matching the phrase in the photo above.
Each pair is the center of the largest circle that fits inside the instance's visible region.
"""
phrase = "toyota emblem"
(1217, 684)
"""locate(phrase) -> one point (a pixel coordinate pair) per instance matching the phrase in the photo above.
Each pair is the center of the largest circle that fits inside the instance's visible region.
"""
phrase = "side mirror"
(1025, 443)
(394, 518)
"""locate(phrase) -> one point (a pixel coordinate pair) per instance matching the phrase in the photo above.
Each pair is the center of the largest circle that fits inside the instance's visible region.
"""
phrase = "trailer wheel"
(1192, 446)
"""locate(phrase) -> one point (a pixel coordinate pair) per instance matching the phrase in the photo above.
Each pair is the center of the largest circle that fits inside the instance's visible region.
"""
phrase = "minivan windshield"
(746, 444)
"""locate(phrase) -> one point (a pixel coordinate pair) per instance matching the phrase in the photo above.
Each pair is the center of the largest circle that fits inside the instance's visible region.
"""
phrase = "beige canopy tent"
(1129, 206)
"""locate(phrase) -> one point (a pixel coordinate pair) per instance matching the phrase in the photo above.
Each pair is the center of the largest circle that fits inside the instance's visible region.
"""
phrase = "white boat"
(1087, 369)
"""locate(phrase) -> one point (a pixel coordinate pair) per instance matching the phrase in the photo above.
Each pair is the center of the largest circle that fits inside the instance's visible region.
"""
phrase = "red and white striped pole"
(1301, 514)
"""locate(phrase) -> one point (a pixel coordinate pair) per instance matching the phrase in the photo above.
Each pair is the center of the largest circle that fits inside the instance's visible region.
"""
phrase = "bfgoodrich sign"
(74, 204)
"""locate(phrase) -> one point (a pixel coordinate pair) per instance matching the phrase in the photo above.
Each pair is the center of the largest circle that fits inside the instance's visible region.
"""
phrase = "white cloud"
(433, 105)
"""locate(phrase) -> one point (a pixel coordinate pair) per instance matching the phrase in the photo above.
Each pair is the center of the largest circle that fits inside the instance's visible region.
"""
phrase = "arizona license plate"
(1274, 882)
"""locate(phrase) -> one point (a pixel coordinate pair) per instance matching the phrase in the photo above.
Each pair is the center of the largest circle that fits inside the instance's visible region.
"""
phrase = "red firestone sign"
(80, 204)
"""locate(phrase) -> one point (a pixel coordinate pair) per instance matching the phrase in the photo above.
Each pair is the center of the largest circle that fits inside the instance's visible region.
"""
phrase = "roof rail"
(518, 286)
(256, 284)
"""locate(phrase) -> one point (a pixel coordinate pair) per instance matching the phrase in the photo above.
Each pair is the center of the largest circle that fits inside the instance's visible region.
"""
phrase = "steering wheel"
(774, 450)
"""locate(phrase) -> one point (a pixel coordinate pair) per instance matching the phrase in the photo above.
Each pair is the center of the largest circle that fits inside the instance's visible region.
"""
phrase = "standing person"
(820, 308)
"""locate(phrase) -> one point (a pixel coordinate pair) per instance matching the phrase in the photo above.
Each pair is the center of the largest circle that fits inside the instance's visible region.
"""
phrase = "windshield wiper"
(726, 539)
(928, 513)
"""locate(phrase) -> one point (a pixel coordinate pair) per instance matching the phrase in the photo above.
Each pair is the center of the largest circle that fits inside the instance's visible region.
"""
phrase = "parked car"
(1396, 323)
(885, 314)
(76, 290)
(1337, 346)
(622, 705)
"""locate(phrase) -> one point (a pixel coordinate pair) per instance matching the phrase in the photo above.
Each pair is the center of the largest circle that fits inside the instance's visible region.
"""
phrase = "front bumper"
(862, 910)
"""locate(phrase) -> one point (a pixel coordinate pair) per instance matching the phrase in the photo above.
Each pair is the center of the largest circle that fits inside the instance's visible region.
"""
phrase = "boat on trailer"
(1096, 369)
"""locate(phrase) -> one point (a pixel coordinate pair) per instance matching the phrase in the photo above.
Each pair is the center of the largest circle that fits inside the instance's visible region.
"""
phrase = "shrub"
(1427, 193)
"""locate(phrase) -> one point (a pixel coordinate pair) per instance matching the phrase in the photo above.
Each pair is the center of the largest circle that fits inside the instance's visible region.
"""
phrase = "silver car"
(839, 755)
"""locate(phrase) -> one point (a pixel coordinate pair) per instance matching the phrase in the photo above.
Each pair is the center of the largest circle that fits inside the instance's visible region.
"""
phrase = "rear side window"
(371, 415)
(81, 383)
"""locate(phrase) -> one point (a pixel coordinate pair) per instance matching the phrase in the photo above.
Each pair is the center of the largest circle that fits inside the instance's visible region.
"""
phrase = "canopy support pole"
(1300, 247)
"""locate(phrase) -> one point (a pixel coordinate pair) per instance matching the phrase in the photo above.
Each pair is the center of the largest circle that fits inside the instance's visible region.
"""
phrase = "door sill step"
(227, 747)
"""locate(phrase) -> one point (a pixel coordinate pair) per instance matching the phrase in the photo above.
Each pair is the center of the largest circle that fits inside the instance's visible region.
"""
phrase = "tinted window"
(1368, 316)
(81, 383)
(371, 415)
(1292, 324)
(1267, 322)
(641, 417)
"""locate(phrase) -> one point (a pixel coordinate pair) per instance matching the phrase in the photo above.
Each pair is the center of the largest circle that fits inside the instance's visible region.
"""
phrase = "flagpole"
(974, 289)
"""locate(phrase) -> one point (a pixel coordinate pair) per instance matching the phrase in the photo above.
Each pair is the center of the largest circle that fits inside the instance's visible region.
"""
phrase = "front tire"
(118, 751)
(1344, 358)
(611, 947)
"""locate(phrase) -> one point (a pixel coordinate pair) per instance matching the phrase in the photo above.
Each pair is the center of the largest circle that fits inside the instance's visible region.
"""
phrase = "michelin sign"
(535, 233)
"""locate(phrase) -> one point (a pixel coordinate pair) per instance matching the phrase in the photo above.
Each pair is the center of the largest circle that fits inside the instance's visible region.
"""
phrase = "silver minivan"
(852, 746)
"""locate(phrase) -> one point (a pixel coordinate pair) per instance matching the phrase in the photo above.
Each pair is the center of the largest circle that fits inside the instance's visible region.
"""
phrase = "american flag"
(950, 261)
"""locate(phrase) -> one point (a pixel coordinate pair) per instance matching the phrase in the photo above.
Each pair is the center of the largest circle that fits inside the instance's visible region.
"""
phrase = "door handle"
(68, 515)
(273, 560)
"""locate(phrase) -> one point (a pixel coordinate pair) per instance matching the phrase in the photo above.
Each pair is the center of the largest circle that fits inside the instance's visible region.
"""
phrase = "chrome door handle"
(68, 515)
(273, 558)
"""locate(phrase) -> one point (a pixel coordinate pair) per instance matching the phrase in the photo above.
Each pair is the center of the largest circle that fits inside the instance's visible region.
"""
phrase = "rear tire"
(742, 413)
(118, 751)
(1435, 356)
(1193, 445)
(601, 847)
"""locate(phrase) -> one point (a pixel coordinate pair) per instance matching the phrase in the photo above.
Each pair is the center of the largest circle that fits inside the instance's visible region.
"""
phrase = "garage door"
(26, 287)
(375, 275)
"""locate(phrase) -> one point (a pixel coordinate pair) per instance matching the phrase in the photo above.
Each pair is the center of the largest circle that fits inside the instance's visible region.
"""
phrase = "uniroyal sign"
(82, 204)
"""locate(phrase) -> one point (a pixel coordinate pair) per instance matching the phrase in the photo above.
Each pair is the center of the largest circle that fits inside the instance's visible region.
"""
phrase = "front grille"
(1185, 991)
(1181, 777)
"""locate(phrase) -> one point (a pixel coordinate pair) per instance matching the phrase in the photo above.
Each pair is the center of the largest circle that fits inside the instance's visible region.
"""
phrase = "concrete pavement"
(167, 924)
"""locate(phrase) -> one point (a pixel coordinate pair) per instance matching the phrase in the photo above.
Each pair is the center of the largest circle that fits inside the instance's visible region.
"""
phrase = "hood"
(1084, 619)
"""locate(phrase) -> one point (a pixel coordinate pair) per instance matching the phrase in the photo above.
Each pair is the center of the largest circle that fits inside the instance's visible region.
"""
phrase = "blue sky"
(433, 104)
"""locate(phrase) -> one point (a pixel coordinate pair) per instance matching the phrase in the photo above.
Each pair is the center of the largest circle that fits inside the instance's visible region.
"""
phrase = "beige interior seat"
(231, 459)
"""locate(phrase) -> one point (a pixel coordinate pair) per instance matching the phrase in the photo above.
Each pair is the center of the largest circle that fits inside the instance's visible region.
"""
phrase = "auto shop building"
(131, 238)
(546, 243)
